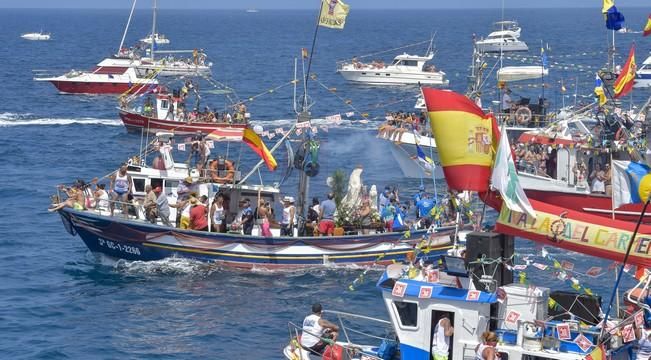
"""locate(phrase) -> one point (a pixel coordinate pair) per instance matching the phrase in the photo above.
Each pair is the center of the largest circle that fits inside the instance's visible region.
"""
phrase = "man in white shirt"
(315, 329)
(506, 101)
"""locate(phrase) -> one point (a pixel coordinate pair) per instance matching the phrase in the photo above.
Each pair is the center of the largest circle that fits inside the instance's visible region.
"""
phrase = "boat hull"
(136, 122)
(86, 87)
(131, 240)
(496, 48)
(643, 79)
(381, 77)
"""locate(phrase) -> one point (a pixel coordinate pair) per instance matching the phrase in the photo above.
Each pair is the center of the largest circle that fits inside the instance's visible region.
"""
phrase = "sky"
(311, 4)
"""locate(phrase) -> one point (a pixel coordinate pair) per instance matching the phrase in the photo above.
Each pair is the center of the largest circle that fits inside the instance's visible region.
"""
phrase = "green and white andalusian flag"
(505, 179)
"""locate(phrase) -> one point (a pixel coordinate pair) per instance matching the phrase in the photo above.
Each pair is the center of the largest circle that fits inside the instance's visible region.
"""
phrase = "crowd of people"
(178, 111)
(397, 123)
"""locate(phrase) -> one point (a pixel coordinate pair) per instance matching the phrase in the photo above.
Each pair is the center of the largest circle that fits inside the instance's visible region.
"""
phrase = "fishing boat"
(404, 70)
(129, 236)
(506, 38)
(36, 36)
(514, 317)
(159, 39)
(166, 111)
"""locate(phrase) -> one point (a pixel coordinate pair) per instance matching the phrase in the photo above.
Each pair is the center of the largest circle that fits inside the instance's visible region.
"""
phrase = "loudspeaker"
(491, 246)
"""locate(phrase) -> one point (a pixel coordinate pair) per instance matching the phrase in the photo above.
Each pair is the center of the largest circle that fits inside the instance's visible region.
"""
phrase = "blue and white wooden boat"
(131, 237)
(416, 300)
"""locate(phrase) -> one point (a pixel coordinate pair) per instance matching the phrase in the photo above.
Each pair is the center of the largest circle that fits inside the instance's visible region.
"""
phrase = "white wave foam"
(14, 116)
(167, 266)
(6, 121)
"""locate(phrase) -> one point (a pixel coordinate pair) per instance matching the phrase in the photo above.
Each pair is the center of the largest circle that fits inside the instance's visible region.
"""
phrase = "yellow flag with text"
(333, 14)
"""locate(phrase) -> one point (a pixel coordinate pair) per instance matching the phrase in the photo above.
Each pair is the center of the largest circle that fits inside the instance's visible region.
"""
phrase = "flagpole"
(309, 60)
(621, 269)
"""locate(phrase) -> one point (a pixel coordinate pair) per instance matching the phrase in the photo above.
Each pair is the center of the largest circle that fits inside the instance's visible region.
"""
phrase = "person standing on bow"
(121, 186)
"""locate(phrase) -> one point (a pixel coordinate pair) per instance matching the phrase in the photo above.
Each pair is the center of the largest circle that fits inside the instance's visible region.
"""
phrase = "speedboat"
(405, 69)
(506, 38)
(160, 39)
(643, 75)
(111, 76)
(37, 36)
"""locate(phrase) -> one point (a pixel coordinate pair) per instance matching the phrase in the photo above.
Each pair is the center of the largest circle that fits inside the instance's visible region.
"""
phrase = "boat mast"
(153, 31)
(126, 28)
(302, 117)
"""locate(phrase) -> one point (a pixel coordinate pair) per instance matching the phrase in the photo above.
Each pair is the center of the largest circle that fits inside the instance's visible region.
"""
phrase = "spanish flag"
(256, 144)
(333, 14)
(626, 79)
(597, 354)
(647, 28)
(466, 139)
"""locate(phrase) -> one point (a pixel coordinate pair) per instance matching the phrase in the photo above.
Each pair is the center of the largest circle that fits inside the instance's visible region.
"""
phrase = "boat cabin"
(417, 300)
(413, 62)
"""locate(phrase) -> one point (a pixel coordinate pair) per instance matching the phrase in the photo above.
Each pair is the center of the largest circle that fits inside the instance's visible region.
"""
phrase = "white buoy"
(258, 129)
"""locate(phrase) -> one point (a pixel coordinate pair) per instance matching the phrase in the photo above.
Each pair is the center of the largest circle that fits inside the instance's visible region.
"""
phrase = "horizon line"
(588, 6)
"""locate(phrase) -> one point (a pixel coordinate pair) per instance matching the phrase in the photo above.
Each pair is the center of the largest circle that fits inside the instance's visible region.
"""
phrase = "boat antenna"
(621, 268)
(430, 48)
(153, 31)
(126, 28)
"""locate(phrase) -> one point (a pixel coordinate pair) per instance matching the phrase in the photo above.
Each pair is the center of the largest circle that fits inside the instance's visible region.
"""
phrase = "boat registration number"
(128, 249)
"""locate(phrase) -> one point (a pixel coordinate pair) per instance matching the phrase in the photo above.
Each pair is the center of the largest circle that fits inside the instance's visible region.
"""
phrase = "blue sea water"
(59, 301)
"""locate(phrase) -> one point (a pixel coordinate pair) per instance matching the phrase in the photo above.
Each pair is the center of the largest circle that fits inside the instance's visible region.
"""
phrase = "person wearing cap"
(184, 188)
(289, 216)
(150, 205)
(244, 218)
(163, 206)
(222, 170)
(315, 329)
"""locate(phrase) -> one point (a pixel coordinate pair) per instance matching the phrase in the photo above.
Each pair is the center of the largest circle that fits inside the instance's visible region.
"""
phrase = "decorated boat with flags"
(166, 110)
(105, 227)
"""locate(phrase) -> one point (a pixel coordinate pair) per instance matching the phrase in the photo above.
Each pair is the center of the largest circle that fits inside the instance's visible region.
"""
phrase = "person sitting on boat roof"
(289, 217)
(327, 210)
(222, 170)
(121, 186)
(316, 329)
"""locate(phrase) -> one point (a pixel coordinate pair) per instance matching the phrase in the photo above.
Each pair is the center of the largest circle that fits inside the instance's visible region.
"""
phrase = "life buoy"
(523, 115)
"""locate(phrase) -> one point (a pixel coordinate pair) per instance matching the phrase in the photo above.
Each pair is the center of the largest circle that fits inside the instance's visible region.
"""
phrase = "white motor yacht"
(643, 78)
(160, 39)
(405, 69)
(37, 36)
(505, 38)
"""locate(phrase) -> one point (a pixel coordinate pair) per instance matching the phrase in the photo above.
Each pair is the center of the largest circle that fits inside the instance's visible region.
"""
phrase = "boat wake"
(8, 119)
(167, 266)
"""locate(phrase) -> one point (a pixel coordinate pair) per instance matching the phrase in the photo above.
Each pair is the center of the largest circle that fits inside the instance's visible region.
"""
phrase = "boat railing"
(643, 286)
(346, 332)
(525, 119)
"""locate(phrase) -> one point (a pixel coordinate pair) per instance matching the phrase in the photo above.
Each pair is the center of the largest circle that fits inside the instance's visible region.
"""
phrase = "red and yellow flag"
(597, 354)
(465, 138)
(647, 28)
(626, 79)
(256, 144)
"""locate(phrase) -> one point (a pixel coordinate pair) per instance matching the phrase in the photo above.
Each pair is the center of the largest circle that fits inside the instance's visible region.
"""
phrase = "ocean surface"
(58, 301)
